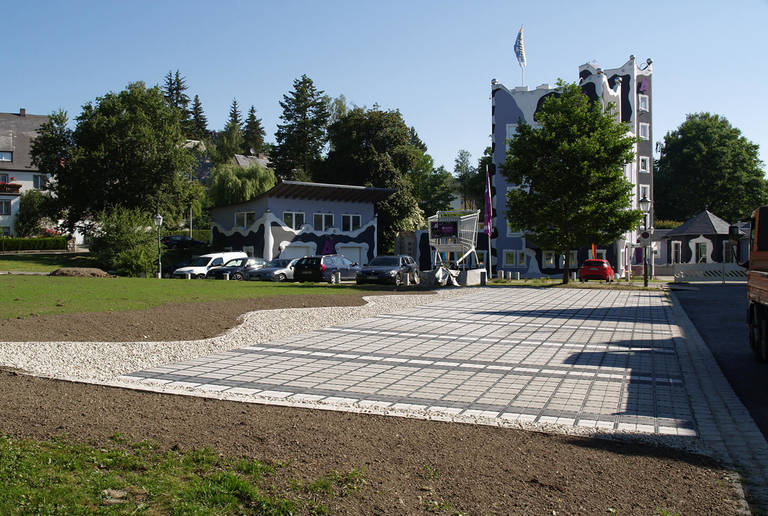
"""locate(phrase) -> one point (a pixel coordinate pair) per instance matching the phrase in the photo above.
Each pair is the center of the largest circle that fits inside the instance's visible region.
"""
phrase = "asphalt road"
(719, 314)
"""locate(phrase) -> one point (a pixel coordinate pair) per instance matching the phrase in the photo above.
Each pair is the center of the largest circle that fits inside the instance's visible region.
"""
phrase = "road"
(719, 314)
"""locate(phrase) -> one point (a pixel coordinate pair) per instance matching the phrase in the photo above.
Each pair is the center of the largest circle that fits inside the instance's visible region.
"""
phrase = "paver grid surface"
(612, 361)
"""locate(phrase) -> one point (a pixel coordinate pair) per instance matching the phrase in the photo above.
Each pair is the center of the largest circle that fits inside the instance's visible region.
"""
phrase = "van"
(200, 264)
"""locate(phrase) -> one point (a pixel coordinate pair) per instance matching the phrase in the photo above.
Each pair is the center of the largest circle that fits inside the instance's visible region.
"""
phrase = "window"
(514, 258)
(5, 207)
(293, 219)
(323, 221)
(645, 131)
(481, 256)
(701, 252)
(601, 254)
(245, 219)
(573, 260)
(676, 254)
(511, 133)
(645, 164)
(350, 222)
(548, 260)
(39, 182)
(6, 156)
(3, 178)
(644, 192)
(642, 102)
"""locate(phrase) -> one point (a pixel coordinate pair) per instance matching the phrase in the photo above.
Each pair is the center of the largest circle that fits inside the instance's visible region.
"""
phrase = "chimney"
(22, 112)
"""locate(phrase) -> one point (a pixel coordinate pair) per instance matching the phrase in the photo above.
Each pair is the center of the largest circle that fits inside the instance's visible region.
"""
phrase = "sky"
(433, 60)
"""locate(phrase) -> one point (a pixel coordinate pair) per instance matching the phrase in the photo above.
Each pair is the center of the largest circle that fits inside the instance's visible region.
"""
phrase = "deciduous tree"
(230, 184)
(708, 164)
(571, 190)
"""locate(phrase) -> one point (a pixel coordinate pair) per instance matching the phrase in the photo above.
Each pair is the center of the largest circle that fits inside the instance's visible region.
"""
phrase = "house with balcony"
(17, 174)
(295, 219)
(629, 89)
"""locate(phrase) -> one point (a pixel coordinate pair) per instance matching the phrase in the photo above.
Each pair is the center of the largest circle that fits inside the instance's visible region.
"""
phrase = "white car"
(200, 265)
(280, 269)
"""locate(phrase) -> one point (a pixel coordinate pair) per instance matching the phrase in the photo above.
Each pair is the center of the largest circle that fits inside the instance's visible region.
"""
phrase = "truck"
(757, 284)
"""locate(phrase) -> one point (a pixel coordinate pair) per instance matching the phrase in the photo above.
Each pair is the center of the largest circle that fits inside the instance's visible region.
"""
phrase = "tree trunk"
(566, 268)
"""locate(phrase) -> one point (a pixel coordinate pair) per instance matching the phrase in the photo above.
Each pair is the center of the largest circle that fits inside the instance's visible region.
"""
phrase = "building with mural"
(629, 89)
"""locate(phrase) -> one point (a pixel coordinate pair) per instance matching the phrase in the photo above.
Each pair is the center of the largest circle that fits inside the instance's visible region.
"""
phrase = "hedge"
(29, 244)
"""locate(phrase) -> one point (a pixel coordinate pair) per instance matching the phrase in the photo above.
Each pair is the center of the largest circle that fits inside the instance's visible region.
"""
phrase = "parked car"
(596, 269)
(181, 242)
(389, 269)
(323, 267)
(199, 265)
(280, 269)
(238, 269)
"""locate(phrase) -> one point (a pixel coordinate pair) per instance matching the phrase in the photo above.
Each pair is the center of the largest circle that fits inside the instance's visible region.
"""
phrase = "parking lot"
(601, 361)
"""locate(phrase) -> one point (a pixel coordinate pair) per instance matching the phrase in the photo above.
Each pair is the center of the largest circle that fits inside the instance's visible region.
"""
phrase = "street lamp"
(159, 222)
(645, 205)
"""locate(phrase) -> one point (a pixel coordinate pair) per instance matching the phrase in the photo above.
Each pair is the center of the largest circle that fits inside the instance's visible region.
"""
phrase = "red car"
(596, 269)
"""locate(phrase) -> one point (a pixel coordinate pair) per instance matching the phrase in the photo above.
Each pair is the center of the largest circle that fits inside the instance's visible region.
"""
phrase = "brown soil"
(475, 469)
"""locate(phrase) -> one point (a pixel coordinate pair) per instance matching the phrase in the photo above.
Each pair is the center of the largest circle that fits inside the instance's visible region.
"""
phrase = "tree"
(301, 137)
(124, 241)
(126, 150)
(228, 143)
(337, 108)
(230, 184)
(33, 217)
(199, 121)
(253, 133)
(174, 91)
(235, 118)
(571, 190)
(707, 164)
(470, 183)
(372, 147)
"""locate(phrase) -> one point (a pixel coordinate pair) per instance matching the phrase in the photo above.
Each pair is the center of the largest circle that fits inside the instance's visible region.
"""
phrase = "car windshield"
(200, 261)
(277, 263)
(593, 263)
(237, 262)
(384, 260)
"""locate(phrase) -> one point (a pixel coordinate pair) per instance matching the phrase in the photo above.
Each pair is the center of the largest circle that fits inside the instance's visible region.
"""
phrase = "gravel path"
(103, 361)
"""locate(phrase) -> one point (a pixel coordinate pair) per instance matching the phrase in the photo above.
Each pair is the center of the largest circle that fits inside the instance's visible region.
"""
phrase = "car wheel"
(398, 280)
(280, 277)
(416, 278)
(199, 276)
(332, 279)
(237, 276)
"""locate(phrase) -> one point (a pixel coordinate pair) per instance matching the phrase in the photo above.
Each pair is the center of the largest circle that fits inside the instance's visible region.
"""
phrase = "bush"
(30, 244)
(125, 241)
(666, 224)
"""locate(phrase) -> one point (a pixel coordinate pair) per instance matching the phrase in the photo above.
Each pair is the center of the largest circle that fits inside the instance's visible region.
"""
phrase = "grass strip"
(26, 296)
(38, 262)
(58, 477)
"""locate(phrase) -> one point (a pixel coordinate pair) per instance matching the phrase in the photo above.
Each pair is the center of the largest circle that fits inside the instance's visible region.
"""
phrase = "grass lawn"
(25, 296)
(57, 477)
(43, 262)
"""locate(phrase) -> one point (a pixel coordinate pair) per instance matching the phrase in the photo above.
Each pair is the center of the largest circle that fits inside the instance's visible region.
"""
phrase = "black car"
(389, 269)
(324, 267)
(238, 269)
(181, 242)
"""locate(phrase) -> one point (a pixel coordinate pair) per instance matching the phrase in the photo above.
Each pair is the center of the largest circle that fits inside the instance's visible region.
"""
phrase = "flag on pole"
(488, 207)
(520, 48)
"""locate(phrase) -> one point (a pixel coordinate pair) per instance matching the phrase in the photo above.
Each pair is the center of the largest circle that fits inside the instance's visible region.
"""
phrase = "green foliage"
(125, 241)
(301, 136)
(174, 91)
(707, 164)
(228, 143)
(470, 182)
(199, 129)
(235, 117)
(230, 184)
(126, 150)
(30, 244)
(666, 224)
(253, 134)
(433, 187)
(571, 186)
(34, 215)
(373, 147)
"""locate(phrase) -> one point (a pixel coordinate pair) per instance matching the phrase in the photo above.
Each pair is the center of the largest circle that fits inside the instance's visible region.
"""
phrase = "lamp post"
(645, 205)
(159, 222)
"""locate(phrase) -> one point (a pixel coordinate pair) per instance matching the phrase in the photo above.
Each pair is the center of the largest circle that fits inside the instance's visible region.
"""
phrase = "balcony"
(10, 188)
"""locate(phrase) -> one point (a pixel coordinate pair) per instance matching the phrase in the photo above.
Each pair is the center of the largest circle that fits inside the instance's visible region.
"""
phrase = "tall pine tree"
(199, 121)
(302, 135)
(253, 133)
(235, 117)
(174, 91)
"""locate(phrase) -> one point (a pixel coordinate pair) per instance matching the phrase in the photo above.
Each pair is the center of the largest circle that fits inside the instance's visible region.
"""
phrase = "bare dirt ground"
(410, 466)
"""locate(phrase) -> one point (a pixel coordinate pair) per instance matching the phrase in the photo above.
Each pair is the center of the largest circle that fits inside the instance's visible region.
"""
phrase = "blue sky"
(432, 60)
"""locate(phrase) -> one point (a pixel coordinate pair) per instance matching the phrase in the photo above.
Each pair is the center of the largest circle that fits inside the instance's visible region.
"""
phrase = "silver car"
(280, 269)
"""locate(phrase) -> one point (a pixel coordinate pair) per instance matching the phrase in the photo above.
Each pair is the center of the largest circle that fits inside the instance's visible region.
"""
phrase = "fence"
(708, 272)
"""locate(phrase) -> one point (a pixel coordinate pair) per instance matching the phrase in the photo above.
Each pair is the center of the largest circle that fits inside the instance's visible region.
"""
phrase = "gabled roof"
(17, 130)
(324, 191)
(244, 161)
(704, 223)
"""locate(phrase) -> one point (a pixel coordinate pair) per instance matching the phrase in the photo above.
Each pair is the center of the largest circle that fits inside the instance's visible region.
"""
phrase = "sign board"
(443, 228)
(644, 237)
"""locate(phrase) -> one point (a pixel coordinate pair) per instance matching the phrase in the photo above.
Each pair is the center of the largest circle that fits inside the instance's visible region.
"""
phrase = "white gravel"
(104, 361)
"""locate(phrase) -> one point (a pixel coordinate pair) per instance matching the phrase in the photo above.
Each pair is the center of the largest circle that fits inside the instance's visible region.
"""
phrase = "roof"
(244, 161)
(704, 223)
(324, 192)
(16, 134)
